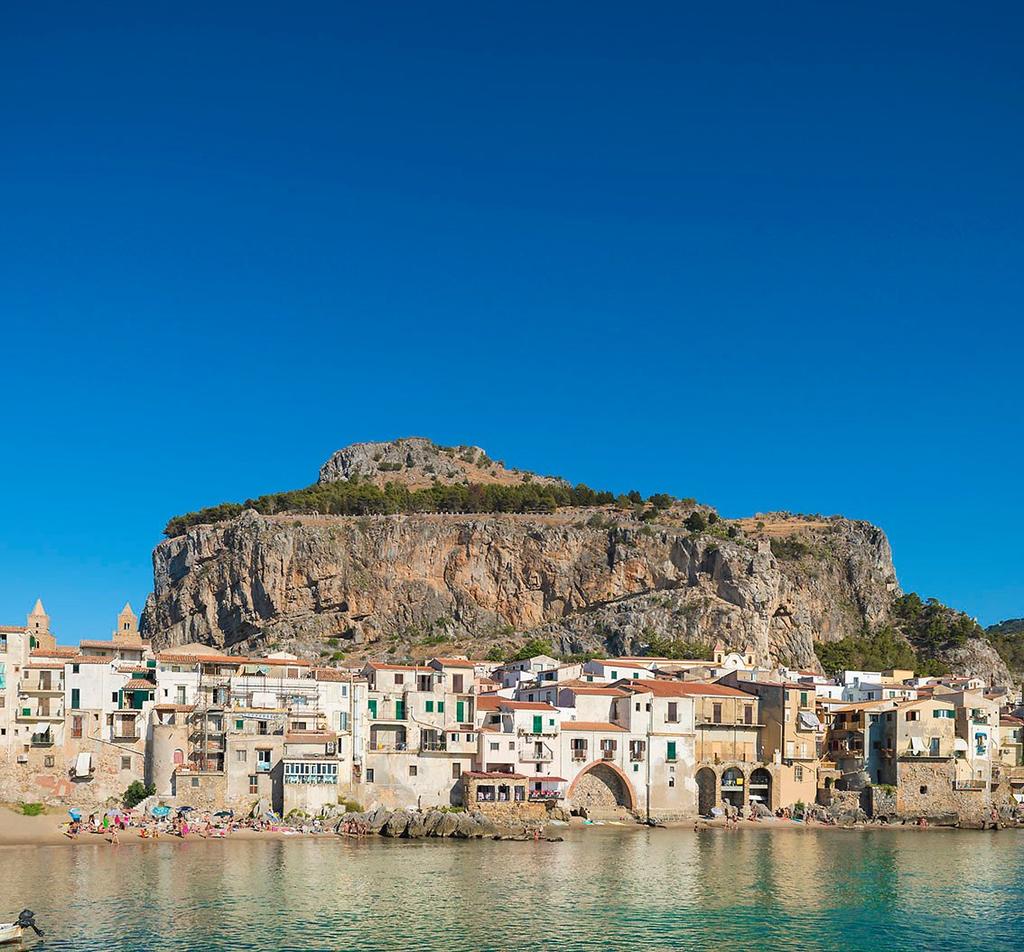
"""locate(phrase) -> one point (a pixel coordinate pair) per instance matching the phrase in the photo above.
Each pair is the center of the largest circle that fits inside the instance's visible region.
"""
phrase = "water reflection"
(604, 888)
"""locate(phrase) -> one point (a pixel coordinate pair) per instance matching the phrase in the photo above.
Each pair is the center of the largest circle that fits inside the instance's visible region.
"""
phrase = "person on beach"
(114, 840)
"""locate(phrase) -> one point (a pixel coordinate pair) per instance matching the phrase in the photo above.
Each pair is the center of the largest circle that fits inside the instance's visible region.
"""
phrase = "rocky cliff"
(597, 573)
(402, 584)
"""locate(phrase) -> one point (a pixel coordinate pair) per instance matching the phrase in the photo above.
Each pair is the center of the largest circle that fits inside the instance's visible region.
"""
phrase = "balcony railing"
(128, 738)
(530, 755)
(607, 754)
(579, 754)
(545, 795)
(42, 740)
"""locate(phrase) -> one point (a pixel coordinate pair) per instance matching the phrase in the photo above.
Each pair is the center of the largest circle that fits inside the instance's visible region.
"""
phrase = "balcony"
(128, 737)
(42, 687)
(533, 756)
(42, 740)
(432, 746)
(607, 754)
(263, 766)
(976, 786)
(545, 795)
(579, 755)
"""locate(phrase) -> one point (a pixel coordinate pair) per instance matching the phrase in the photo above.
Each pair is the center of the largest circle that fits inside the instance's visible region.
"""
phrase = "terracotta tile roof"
(61, 651)
(139, 684)
(456, 662)
(331, 674)
(489, 702)
(13, 629)
(48, 665)
(380, 666)
(591, 726)
(175, 658)
(491, 775)
(171, 707)
(1008, 720)
(88, 659)
(130, 645)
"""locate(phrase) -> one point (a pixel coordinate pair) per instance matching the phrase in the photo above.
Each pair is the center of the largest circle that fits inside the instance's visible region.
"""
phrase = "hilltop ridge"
(401, 547)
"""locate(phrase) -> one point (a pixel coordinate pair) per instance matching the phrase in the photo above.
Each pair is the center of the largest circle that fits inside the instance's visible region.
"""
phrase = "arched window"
(179, 758)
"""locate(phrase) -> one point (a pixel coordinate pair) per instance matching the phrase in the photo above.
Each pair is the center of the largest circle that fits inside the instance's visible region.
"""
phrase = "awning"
(960, 744)
(809, 721)
(917, 745)
(83, 765)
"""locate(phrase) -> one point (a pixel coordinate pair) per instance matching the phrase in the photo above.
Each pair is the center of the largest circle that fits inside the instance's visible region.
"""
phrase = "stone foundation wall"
(926, 789)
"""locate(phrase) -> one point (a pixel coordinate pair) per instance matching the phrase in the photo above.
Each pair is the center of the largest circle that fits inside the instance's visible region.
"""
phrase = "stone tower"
(38, 628)
(127, 625)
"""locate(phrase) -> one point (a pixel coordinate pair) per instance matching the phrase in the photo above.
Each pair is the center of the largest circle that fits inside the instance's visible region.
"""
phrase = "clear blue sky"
(768, 256)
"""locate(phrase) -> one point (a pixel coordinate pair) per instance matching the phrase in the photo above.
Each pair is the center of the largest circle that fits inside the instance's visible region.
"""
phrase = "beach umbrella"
(273, 817)
(225, 813)
(160, 811)
(185, 809)
(115, 812)
(75, 815)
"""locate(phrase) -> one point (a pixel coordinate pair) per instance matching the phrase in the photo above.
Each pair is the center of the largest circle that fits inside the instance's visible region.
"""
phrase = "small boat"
(13, 931)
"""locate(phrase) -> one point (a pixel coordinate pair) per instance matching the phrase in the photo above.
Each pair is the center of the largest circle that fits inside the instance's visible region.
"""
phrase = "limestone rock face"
(383, 584)
(977, 658)
(417, 462)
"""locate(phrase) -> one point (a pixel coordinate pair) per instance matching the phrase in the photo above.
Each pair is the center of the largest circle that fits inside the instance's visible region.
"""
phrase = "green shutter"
(76, 699)
(615, 675)
(239, 725)
(538, 724)
(460, 710)
(430, 707)
(400, 710)
(671, 754)
(372, 704)
(440, 707)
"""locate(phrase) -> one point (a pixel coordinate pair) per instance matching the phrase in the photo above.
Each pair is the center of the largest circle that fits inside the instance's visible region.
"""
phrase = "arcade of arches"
(736, 783)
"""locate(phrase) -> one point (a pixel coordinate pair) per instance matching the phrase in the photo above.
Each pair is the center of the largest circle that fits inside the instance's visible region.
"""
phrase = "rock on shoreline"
(416, 824)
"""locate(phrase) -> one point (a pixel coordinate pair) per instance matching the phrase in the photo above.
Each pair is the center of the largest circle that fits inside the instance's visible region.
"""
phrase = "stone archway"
(760, 787)
(707, 791)
(733, 786)
(602, 788)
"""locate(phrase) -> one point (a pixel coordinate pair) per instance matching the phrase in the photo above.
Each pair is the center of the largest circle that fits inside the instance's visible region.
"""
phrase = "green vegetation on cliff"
(358, 498)
(1008, 639)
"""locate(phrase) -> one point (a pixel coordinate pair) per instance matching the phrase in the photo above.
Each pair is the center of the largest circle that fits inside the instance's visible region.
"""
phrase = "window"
(369, 774)
(74, 669)
(343, 720)
(113, 697)
(913, 715)
(239, 725)
(673, 712)
(716, 713)
(195, 781)
(241, 756)
(638, 705)
(511, 745)
(262, 760)
(76, 698)
(254, 783)
(399, 679)
(803, 699)
(76, 726)
(457, 683)
(798, 773)
(615, 675)
(429, 707)
(924, 789)
(949, 715)
(873, 718)
(440, 707)
(262, 727)
(413, 770)
(493, 745)
(456, 771)
(126, 763)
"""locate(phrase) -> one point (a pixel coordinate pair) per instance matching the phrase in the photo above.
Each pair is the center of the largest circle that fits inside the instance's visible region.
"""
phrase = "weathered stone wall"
(926, 788)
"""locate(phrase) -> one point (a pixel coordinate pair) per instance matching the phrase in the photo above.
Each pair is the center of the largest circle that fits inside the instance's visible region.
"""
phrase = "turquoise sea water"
(603, 888)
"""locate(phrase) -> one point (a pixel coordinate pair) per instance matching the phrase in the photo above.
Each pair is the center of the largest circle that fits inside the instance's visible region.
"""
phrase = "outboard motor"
(27, 920)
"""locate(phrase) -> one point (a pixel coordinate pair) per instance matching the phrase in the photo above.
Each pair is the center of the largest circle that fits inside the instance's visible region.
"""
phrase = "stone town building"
(422, 732)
